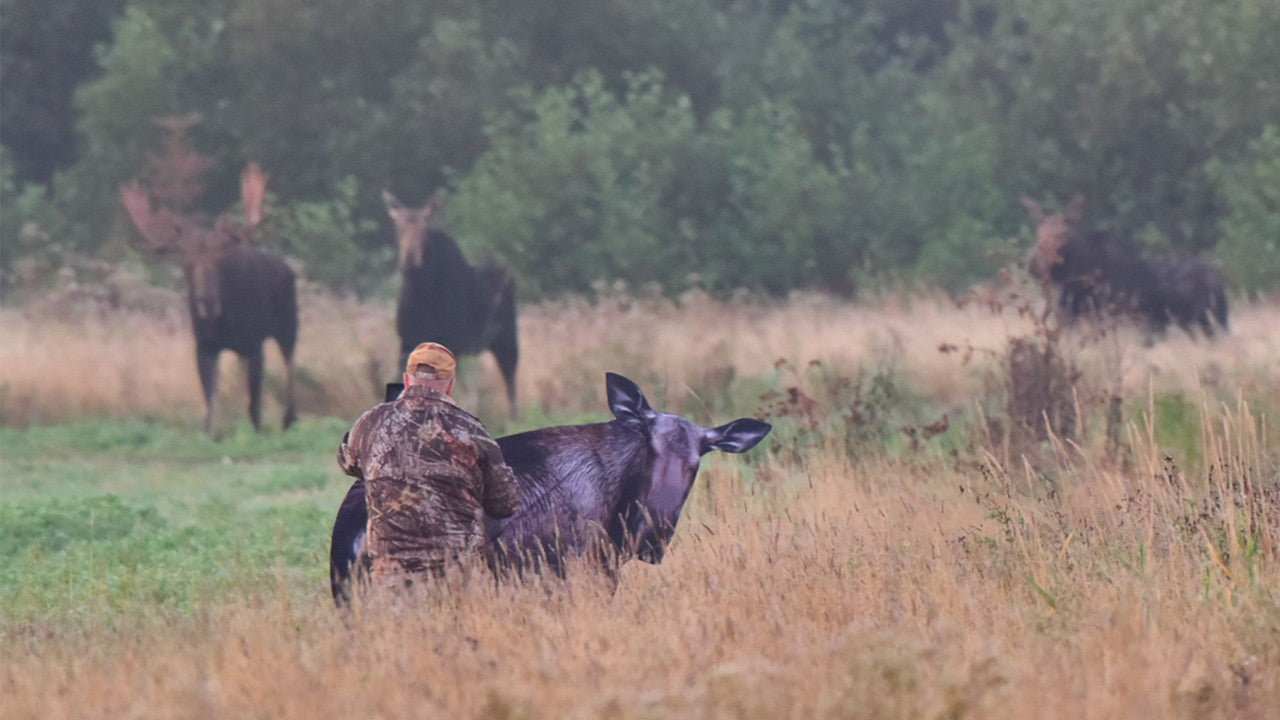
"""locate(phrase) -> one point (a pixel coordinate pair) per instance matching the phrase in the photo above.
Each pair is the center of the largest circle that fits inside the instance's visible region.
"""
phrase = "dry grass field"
(1126, 565)
(694, 349)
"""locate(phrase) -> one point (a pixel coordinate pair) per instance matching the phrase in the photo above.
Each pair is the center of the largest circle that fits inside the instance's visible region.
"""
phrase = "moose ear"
(736, 437)
(394, 206)
(626, 401)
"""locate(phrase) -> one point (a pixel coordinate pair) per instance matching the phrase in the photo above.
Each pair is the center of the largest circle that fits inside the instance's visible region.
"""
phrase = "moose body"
(612, 490)
(1190, 292)
(1095, 272)
(238, 294)
(445, 299)
(250, 296)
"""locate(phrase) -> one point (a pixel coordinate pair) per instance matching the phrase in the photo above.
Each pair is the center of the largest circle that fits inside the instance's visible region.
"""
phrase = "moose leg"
(506, 352)
(1206, 325)
(253, 372)
(1213, 310)
(207, 364)
(1220, 308)
(286, 338)
(290, 414)
(506, 358)
(500, 334)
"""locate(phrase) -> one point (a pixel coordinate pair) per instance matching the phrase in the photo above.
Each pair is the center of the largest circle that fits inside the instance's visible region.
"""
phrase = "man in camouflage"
(431, 473)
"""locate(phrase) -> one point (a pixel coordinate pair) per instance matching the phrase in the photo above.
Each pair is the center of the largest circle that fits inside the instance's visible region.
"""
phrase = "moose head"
(664, 472)
(413, 227)
(163, 233)
(1052, 232)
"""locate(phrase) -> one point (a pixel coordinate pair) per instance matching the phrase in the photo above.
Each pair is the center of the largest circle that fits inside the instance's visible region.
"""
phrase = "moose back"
(611, 490)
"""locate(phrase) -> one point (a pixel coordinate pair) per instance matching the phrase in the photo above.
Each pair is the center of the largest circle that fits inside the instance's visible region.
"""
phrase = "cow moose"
(445, 299)
(238, 295)
(610, 491)
(1095, 273)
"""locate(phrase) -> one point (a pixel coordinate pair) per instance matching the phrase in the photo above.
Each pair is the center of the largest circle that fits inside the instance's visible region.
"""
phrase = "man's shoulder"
(376, 410)
(457, 416)
(373, 414)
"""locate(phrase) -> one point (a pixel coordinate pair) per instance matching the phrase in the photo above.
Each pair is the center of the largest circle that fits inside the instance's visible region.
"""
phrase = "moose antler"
(253, 188)
(156, 229)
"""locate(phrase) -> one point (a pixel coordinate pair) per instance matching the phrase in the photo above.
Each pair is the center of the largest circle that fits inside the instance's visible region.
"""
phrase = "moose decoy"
(238, 294)
(445, 299)
(1095, 273)
(611, 490)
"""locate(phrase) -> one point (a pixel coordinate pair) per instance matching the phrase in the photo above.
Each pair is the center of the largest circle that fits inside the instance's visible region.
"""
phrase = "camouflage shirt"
(431, 472)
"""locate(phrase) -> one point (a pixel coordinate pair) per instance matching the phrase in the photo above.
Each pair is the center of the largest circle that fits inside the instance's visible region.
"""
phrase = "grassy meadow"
(910, 542)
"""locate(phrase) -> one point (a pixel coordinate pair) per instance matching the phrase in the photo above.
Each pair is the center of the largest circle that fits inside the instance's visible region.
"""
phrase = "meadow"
(911, 541)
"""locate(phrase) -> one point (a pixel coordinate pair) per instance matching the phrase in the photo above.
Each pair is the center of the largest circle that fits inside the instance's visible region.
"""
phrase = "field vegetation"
(913, 540)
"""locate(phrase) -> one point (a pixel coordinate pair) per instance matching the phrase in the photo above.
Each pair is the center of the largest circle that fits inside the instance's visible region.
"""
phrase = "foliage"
(595, 186)
(1250, 253)
(322, 236)
(46, 49)
(28, 225)
(780, 145)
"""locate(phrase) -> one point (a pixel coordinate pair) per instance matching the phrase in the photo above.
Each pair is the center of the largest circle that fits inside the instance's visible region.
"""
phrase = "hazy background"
(763, 209)
(706, 144)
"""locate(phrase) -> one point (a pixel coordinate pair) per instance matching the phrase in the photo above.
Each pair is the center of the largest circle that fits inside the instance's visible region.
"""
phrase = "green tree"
(320, 235)
(46, 50)
(1250, 249)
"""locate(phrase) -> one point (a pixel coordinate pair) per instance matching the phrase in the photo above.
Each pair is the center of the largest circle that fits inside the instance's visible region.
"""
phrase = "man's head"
(431, 364)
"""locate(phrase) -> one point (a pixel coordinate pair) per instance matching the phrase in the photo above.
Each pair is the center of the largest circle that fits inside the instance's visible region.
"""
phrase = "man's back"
(431, 473)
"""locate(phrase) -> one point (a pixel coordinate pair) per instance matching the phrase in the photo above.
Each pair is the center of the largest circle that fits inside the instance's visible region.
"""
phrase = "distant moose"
(611, 491)
(238, 294)
(444, 299)
(1095, 273)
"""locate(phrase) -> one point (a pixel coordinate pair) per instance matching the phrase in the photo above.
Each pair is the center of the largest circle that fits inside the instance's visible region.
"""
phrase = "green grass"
(105, 520)
(101, 518)
(1178, 427)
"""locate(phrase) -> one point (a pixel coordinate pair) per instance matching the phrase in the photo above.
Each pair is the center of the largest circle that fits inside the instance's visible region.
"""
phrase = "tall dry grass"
(826, 588)
(682, 352)
(800, 584)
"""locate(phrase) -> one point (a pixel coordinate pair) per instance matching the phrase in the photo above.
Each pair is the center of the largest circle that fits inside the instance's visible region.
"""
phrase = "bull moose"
(611, 490)
(445, 299)
(1095, 272)
(238, 295)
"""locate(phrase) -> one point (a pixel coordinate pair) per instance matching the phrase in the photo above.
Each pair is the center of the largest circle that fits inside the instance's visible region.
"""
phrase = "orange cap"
(434, 355)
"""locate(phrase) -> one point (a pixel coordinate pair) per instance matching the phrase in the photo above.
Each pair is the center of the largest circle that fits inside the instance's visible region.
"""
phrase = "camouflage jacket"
(431, 472)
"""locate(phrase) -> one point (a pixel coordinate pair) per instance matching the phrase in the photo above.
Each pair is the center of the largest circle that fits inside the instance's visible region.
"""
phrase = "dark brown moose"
(238, 294)
(445, 299)
(611, 491)
(1096, 273)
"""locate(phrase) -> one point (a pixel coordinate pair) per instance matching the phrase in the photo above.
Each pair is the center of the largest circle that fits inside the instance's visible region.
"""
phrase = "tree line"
(716, 144)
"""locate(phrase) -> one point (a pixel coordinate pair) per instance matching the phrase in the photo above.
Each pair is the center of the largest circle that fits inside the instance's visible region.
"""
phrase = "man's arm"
(501, 494)
(348, 460)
